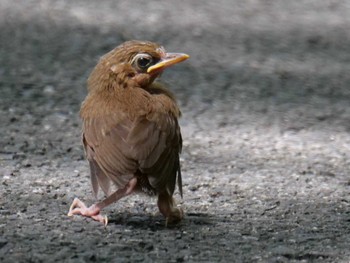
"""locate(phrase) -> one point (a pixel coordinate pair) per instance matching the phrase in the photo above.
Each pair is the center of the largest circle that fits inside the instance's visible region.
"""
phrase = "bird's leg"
(168, 208)
(79, 208)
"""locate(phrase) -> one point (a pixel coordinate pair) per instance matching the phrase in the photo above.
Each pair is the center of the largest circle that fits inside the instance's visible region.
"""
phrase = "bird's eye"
(142, 61)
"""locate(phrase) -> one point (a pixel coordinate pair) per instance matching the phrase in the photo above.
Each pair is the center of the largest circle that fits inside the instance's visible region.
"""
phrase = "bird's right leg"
(79, 208)
(169, 209)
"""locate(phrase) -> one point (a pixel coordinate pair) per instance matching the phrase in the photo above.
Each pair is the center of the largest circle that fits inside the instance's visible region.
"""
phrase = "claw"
(105, 221)
(174, 218)
(101, 218)
(79, 208)
(76, 203)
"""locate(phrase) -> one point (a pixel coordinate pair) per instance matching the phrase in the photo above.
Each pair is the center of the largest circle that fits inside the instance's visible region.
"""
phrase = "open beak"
(168, 60)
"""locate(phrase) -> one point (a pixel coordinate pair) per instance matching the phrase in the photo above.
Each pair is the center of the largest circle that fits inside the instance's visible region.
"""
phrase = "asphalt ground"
(266, 121)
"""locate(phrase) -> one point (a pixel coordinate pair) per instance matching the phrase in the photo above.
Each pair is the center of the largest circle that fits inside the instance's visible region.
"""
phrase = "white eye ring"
(142, 61)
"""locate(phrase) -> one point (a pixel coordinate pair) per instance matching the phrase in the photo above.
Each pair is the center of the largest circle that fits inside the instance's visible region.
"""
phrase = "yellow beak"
(168, 60)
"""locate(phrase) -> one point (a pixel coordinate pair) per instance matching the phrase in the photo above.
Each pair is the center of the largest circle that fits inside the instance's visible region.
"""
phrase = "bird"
(130, 130)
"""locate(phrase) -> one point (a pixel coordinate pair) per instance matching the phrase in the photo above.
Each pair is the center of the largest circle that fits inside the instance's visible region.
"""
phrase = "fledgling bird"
(131, 133)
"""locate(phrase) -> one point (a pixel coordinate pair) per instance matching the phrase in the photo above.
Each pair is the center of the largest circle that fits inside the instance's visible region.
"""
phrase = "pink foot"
(79, 208)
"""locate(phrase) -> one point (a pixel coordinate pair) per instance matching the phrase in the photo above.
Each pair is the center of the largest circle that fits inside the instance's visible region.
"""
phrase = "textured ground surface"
(266, 126)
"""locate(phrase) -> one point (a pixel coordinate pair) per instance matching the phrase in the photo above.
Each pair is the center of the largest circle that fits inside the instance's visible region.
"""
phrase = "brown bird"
(131, 134)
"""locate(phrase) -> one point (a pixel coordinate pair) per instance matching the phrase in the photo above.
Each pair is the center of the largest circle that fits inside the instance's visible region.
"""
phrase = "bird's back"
(133, 132)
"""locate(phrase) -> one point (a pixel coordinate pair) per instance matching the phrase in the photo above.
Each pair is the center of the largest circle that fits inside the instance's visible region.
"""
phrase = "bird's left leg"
(79, 208)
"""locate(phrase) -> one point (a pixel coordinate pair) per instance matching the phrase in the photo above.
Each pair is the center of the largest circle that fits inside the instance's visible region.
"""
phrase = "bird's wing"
(118, 148)
(108, 152)
(156, 144)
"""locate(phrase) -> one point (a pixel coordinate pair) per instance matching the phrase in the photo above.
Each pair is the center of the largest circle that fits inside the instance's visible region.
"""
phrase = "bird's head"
(137, 61)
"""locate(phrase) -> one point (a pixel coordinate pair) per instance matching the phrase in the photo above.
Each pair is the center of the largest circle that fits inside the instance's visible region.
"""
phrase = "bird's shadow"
(144, 221)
